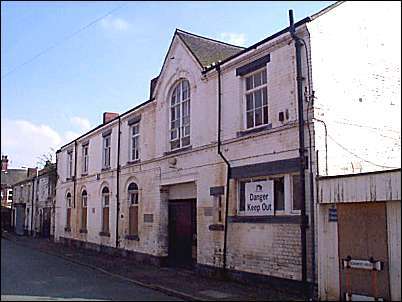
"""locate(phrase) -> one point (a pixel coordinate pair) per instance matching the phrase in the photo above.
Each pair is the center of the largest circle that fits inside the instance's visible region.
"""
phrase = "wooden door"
(46, 222)
(182, 229)
(362, 235)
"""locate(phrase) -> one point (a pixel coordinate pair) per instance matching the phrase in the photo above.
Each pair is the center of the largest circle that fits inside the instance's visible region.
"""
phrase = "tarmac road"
(31, 275)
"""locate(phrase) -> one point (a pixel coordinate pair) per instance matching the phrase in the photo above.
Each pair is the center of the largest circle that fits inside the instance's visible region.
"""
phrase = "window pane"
(250, 119)
(242, 199)
(185, 141)
(257, 79)
(258, 117)
(173, 134)
(178, 93)
(265, 109)
(173, 114)
(264, 96)
(264, 76)
(175, 144)
(258, 99)
(178, 112)
(249, 83)
(249, 102)
(279, 194)
(297, 200)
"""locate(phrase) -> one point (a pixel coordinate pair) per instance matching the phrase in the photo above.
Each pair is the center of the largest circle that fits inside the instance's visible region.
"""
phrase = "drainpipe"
(32, 208)
(218, 69)
(118, 186)
(299, 78)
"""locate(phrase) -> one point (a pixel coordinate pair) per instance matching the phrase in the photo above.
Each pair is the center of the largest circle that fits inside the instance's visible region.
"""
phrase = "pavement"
(179, 283)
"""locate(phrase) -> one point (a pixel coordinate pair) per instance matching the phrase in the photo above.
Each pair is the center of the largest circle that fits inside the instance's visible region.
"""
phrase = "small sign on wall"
(259, 198)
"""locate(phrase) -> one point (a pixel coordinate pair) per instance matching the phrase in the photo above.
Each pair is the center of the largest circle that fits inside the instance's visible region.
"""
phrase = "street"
(28, 274)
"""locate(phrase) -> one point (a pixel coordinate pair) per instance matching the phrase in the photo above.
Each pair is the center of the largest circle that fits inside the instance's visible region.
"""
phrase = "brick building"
(217, 169)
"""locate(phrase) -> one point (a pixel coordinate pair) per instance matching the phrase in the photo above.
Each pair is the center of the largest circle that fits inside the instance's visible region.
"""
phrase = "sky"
(65, 63)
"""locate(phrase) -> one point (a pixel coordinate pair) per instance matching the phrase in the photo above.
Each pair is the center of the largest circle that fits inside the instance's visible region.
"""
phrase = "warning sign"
(259, 198)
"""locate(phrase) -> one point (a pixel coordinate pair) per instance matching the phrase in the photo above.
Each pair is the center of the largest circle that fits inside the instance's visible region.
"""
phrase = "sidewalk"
(180, 283)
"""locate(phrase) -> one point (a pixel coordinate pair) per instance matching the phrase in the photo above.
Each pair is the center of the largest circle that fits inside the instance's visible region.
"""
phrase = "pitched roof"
(207, 51)
(12, 176)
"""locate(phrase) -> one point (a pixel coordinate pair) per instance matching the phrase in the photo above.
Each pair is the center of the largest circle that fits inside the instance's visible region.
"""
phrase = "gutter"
(299, 77)
(118, 186)
(218, 69)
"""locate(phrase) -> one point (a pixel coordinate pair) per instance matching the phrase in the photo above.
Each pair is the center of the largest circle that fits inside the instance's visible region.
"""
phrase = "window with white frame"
(287, 199)
(69, 164)
(256, 99)
(133, 209)
(84, 209)
(106, 151)
(134, 141)
(105, 209)
(85, 159)
(68, 215)
(180, 115)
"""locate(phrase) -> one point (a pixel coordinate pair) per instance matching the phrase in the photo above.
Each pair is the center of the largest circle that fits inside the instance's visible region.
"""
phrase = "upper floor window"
(256, 99)
(69, 164)
(134, 142)
(106, 151)
(180, 115)
(85, 159)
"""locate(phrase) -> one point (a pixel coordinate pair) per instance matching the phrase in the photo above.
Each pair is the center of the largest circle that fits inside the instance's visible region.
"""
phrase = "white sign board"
(259, 197)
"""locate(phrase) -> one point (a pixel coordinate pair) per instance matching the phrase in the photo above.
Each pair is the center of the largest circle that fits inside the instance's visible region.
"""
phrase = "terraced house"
(217, 169)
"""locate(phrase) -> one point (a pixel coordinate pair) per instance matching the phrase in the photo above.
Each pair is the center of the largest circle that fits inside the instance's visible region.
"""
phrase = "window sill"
(70, 178)
(104, 234)
(105, 169)
(84, 174)
(284, 219)
(178, 150)
(253, 130)
(83, 231)
(67, 229)
(216, 227)
(133, 162)
(132, 237)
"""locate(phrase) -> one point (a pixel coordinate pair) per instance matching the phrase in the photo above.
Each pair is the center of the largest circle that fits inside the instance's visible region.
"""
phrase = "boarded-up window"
(84, 210)
(297, 200)
(105, 210)
(279, 194)
(133, 208)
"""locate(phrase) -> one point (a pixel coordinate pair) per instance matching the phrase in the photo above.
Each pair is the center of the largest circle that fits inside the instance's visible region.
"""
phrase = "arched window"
(105, 210)
(133, 209)
(68, 216)
(180, 115)
(84, 205)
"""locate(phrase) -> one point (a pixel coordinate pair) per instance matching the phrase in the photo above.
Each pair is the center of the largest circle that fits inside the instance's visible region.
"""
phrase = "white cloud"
(24, 142)
(233, 38)
(118, 24)
(82, 123)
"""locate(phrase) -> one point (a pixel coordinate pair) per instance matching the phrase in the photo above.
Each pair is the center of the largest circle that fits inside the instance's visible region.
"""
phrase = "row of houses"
(226, 167)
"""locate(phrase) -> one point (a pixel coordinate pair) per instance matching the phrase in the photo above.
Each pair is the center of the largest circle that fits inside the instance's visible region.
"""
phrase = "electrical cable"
(41, 53)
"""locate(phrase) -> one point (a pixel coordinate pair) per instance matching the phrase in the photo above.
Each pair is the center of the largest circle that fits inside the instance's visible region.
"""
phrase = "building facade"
(211, 172)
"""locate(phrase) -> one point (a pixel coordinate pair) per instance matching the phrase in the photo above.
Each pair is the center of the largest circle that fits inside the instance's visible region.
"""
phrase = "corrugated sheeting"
(367, 187)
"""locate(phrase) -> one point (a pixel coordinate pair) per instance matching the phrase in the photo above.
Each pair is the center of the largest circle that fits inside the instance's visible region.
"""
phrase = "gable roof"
(12, 176)
(206, 50)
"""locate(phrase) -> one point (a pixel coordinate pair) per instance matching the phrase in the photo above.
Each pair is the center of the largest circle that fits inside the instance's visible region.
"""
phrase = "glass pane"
(265, 115)
(264, 76)
(172, 114)
(279, 194)
(178, 112)
(249, 83)
(250, 119)
(187, 131)
(258, 99)
(257, 79)
(249, 102)
(242, 201)
(258, 117)
(264, 96)
(296, 193)
(185, 141)
(173, 134)
(178, 93)
(175, 144)
(174, 97)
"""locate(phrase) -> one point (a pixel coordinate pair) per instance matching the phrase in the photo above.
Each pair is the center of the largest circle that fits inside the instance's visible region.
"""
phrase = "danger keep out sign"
(259, 198)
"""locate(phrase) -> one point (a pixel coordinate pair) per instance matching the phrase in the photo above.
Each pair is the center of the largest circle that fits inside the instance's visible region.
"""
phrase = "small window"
(134, 141)
(256, 99)
(105, 210)
(106, 151)
(85, 159)
(69, 164)
(133, 208)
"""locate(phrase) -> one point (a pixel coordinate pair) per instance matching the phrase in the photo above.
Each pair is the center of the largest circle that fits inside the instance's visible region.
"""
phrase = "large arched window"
(105, 210)
(68, 216)
(133, 209)
(84, 206)
(180, 115)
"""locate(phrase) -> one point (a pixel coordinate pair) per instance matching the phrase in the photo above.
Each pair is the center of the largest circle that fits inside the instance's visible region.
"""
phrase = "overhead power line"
(41, 53)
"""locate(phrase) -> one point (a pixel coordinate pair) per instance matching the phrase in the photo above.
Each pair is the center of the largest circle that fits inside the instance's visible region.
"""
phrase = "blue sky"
(108, 65)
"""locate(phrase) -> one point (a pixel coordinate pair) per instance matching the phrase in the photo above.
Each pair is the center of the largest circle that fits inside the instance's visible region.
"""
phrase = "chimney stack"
(4, 163)
(31, 172)
(108, 116)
